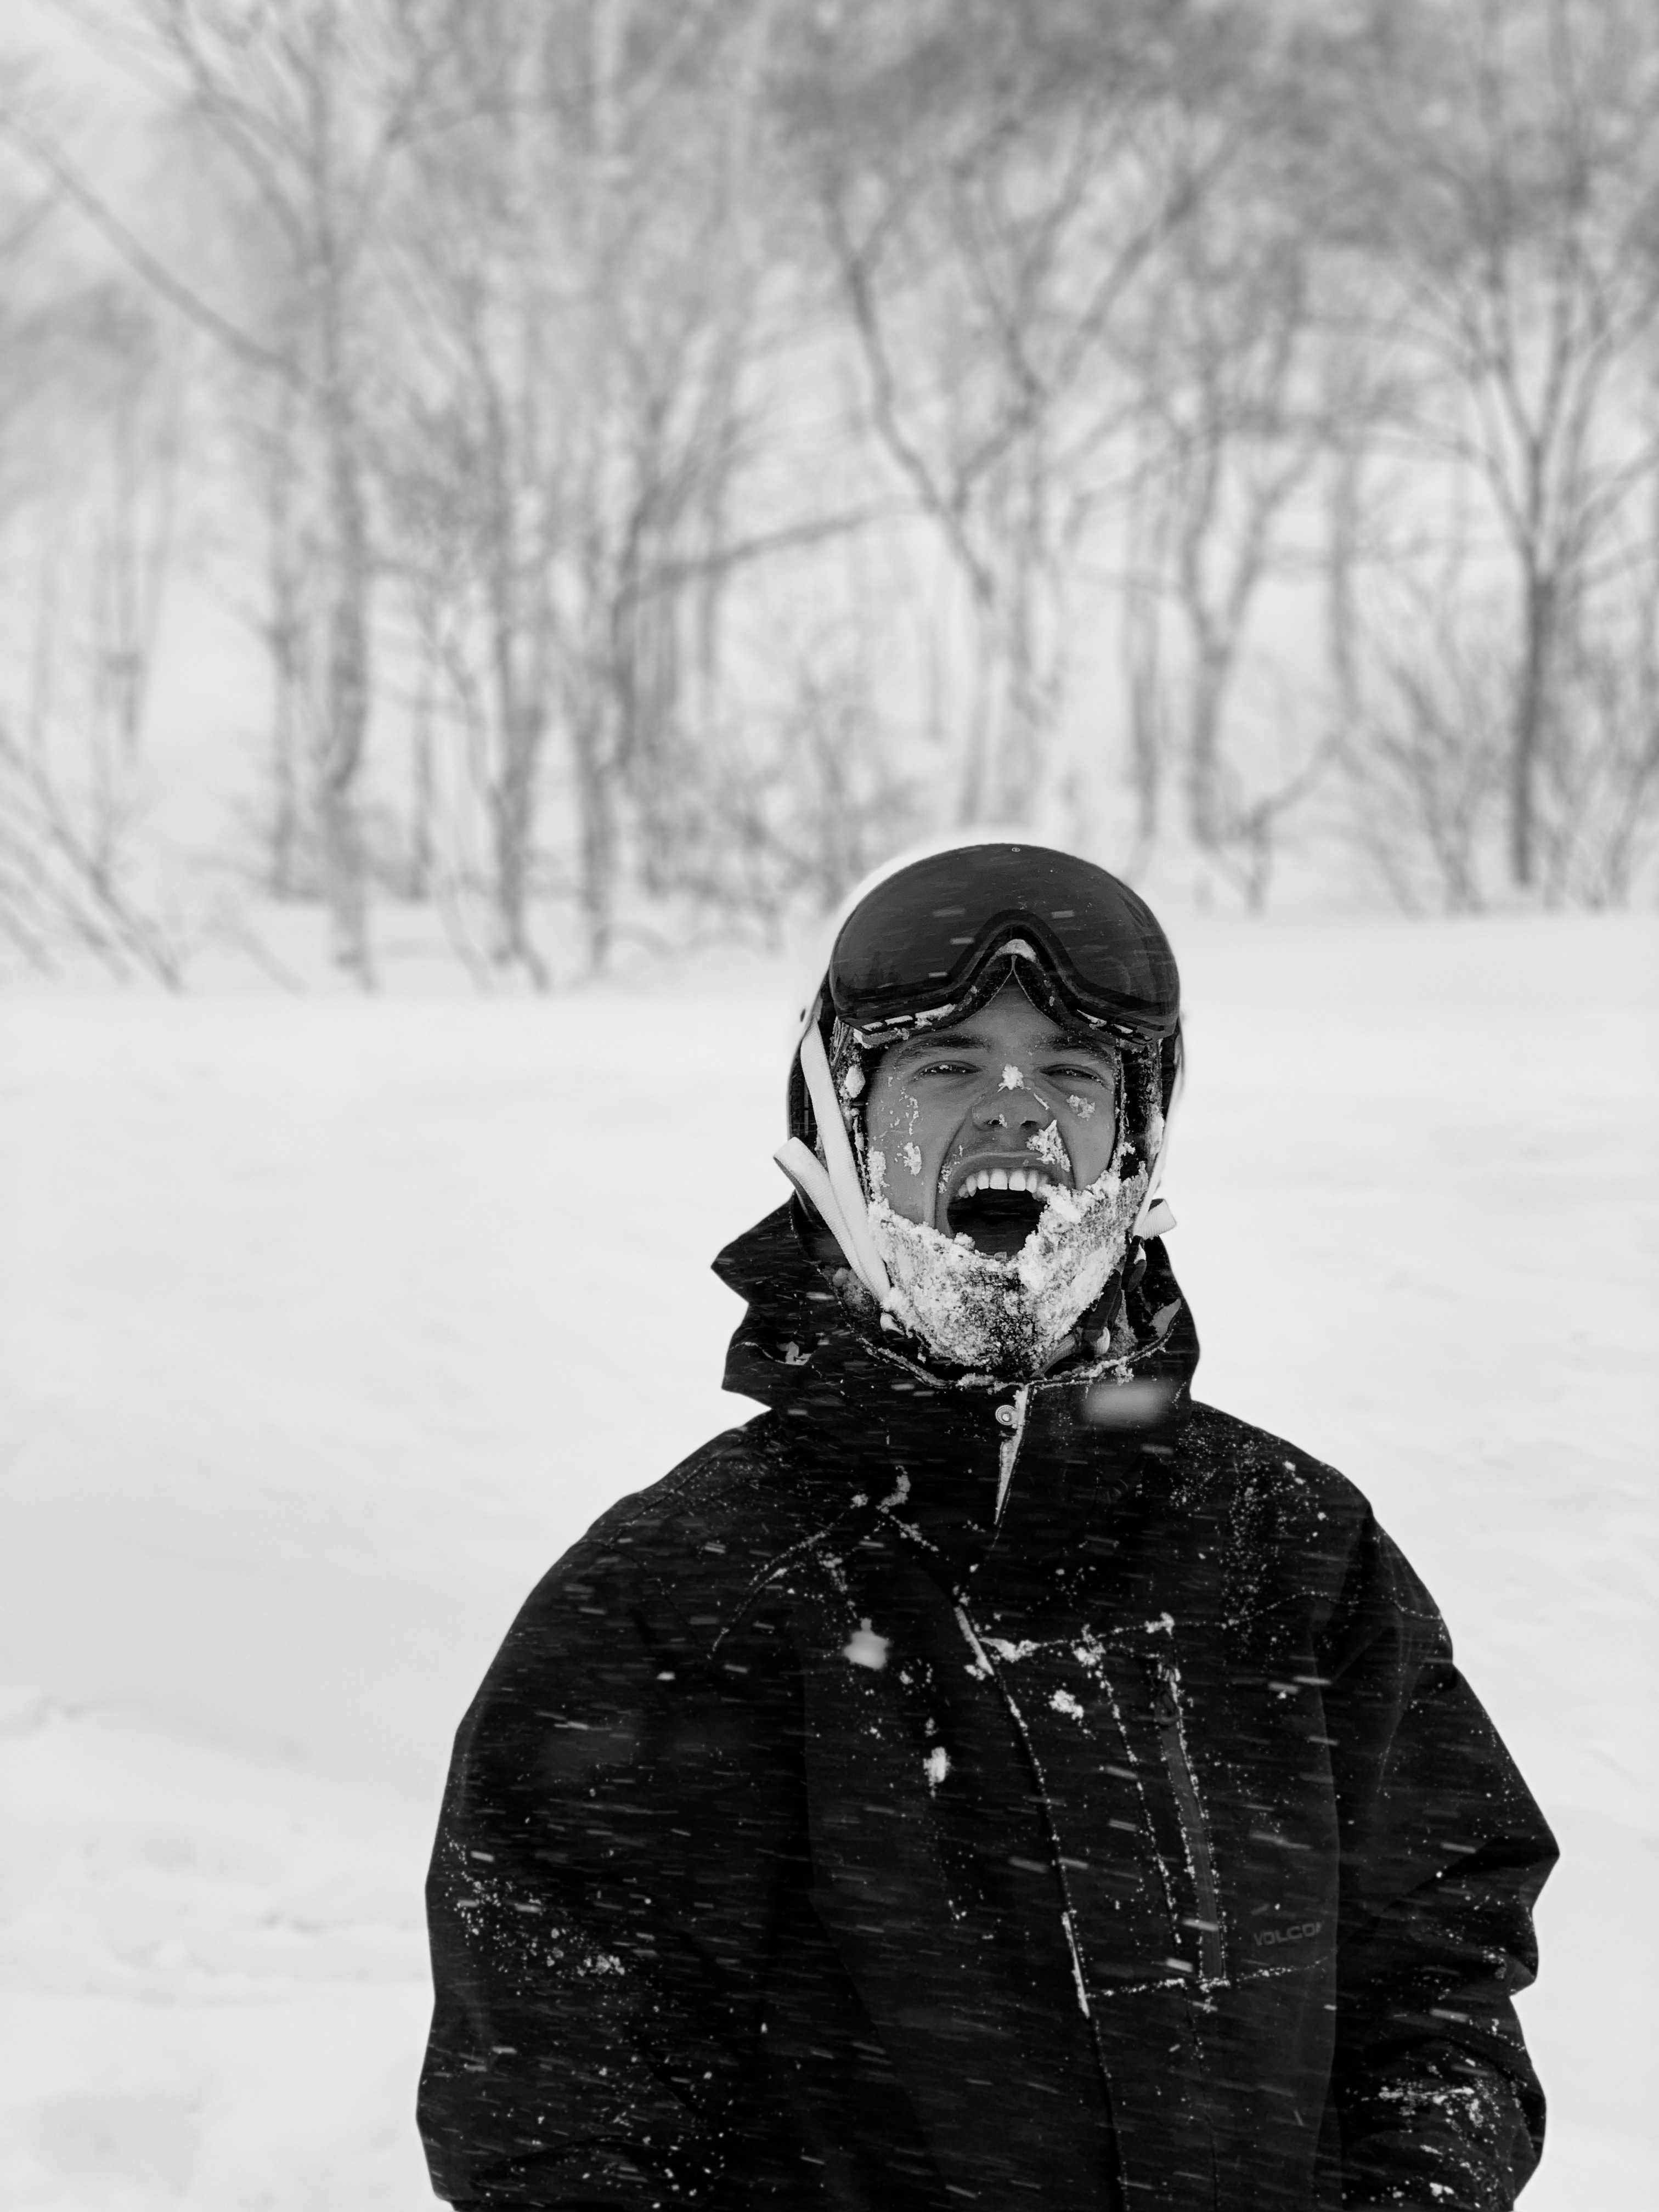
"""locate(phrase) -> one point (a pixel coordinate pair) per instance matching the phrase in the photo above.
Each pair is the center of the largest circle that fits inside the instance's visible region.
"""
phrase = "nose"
(1009, 1110)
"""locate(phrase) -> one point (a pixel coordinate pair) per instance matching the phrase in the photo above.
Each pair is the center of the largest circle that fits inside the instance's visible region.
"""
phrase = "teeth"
(1031, 1180)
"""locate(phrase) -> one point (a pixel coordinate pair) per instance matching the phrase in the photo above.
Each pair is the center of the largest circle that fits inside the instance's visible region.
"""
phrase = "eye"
(942, 1067)
(1068, 1072)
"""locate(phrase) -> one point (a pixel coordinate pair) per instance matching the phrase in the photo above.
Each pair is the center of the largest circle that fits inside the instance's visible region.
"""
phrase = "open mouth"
(997, 1208)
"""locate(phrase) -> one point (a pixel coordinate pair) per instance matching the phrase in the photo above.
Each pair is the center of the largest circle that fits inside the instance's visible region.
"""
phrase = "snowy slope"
(327, 1325)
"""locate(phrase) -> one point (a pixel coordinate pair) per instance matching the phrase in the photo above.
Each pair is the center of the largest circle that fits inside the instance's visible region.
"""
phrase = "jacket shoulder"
(1240, 1462)
(1297, 1528)
(1293, 1530)
(702, 1539)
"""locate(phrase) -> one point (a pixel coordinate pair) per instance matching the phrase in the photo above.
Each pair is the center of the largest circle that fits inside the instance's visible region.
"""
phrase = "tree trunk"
(281, 859)
(346, 710)
(1204, 753)
(596, 799)
(1144, 684)
(346, 715)
(1025, 720)
(981, 721)
(514, 810)
(284, 639)
(1531, 722)
(417, 880)
(513, 815)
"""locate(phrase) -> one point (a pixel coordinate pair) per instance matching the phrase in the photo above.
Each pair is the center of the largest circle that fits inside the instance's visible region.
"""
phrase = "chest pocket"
(1113, 1731)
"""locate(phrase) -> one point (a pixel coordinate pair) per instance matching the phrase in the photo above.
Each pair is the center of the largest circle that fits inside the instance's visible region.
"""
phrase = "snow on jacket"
(818, 1840)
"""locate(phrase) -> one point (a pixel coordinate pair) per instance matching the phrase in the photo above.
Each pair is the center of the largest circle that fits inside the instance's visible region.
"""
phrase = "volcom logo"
(1299, 1934)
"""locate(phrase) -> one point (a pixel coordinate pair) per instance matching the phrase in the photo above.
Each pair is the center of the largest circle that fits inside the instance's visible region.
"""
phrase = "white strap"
(806, 1171)
(832, 1185)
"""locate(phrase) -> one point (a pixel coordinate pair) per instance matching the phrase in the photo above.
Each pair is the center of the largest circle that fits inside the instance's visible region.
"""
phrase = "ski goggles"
(923, 942)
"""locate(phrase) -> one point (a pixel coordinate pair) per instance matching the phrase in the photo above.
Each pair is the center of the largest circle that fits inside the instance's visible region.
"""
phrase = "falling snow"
(296, 1310)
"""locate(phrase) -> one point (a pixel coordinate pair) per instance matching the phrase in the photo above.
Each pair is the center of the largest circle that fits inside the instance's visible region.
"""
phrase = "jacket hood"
(810, 1343)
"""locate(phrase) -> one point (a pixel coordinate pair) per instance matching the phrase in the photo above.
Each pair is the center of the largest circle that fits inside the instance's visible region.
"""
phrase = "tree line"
(669, 452)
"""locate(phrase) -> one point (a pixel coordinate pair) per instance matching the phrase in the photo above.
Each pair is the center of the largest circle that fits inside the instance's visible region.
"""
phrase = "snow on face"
(996, 1101)
(1009, 1317)
(1050, 1148)
(1004, 1087)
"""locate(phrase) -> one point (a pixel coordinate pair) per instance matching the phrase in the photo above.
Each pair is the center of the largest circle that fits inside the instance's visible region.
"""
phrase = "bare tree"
(993, 184)
(1236, 379)
(577, 264)
(307, 104)
(1604, 769)
(1508, 154)
(91, 439)
(1425, 751)
(289, 624)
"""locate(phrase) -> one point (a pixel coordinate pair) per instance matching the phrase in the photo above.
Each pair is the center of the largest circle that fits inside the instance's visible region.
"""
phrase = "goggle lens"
(919, 939)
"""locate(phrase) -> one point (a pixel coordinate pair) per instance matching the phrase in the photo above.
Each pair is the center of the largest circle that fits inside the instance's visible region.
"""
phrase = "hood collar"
(802, 1346)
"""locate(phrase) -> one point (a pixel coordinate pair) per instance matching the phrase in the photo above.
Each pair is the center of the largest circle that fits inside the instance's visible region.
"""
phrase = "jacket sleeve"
(1444, 1853)
(599, 1902)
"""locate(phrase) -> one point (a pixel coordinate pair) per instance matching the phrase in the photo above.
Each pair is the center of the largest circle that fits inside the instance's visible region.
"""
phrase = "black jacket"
(819, 1840)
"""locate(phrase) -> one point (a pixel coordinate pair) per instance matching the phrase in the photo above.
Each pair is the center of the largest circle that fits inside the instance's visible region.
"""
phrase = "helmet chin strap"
(1155, 1218)
(832, 1185)
(1157, 1215)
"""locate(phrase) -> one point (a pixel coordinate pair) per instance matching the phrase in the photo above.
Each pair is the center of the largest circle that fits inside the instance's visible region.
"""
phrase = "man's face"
(967, 1124)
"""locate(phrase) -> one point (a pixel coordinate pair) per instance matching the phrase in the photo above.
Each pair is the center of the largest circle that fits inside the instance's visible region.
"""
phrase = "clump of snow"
(937, 1765)
(1050, 1148)
(1011, 1078)
(1083, 1108)
(1008, 1316)
(853, 1082)
(875, 1169)
(865, 1648)
(911, 1154)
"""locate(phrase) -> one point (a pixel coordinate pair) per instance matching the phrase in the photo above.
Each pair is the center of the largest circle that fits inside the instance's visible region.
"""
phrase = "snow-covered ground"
(327, 1325)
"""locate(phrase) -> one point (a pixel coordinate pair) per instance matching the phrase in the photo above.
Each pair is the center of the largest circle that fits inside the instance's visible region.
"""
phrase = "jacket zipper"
(1166, 1707)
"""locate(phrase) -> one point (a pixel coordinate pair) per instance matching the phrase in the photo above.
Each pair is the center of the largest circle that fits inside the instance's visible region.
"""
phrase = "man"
(986, 1776)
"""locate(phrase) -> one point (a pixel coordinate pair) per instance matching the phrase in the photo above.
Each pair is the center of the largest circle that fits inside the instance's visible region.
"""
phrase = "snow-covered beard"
(1009, 1317)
